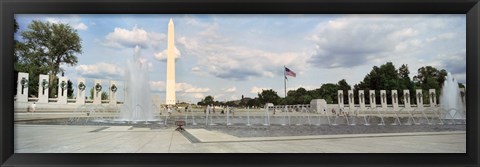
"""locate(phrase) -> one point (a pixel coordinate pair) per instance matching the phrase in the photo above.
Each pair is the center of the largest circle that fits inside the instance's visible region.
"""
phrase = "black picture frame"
(10, 7)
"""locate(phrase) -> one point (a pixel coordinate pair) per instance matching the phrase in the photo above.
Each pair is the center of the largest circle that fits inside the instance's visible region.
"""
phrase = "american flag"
(289, 72)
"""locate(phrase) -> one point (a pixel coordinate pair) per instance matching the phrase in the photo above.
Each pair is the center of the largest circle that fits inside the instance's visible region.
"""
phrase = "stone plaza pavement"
(126, 139)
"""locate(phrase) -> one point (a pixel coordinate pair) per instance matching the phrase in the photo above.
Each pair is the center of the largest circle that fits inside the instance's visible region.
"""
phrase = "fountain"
(138, 91)
(248, 117)
(450, 100)
(228, 116)
(267, 115)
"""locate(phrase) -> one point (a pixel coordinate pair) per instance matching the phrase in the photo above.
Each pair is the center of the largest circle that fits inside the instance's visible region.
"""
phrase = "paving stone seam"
(330, 137)
(190, 137)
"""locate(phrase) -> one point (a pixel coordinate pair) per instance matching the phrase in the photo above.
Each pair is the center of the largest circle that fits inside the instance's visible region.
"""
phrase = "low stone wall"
(22, 107)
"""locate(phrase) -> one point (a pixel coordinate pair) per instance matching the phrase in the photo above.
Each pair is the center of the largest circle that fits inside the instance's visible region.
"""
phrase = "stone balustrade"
(394, 95)
(81, 88)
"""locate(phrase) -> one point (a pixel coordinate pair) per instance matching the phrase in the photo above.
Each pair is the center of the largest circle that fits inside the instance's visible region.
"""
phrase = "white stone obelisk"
(170, 97)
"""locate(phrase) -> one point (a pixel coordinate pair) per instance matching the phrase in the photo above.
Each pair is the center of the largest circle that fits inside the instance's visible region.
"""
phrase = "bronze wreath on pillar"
(113, 88)
(98, 87)
(24, 82)
(44, 84)
(63, 85)
(81, 86)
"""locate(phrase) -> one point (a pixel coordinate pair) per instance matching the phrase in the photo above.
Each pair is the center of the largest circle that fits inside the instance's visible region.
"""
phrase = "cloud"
(100, 70)
(73, 20)
(196, 69)
(441, 37)
(80, 26)
(232, 89)
(223, 59)
(198, 95)
(256, 90)
(188, 88)
(160, 86)
(162, 56)
(354, 40)
(454, 63)
(121, 37)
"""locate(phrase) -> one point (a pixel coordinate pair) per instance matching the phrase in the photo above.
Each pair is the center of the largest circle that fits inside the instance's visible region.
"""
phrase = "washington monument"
(170, 98)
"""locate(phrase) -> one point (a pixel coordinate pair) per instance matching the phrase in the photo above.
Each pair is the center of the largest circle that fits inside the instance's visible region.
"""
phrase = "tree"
(404, 83)
(329, 92)
(25, 61)
(103, 95)
(52, 45)
(291, 98)
(208, 100)
(306, 99)
(231, 104)
(15, 26)
(268, 96)
(343, 85)
(315, 93)
(253, 102)
(91, 94)
(429, 77)
(385, 77)
(70, 89)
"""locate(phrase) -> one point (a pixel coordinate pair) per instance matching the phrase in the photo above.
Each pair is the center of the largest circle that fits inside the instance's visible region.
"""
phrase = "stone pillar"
(373, 103)
(463, 95)
(383, 98)
(406, 98)
(22, 87)
(62, 90)
(340, 98)
(81, 87)
(361, 99)
(419, 98)
(351, 99)
(113, 93)
(432, 97)
(395, 99)
(319, 105)
(97, 91)
(43, 82)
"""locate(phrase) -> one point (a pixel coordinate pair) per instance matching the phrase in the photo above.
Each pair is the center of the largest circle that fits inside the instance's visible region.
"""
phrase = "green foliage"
(91, 94)
(268, 96)
(385, 77)
(343, 85)
(28, 63)
(329, 92)
(430, 78)
(15, 26)
(254, 102)
(231, 103)
(104, 95)
(45, 47)
(70, 89)
(206, 101)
